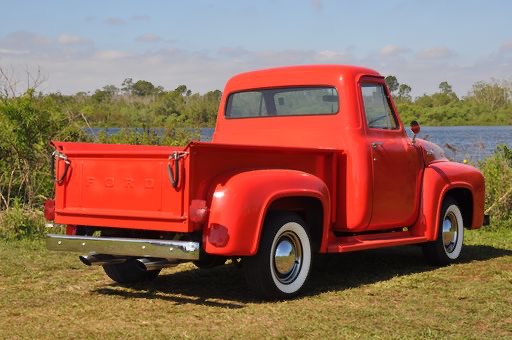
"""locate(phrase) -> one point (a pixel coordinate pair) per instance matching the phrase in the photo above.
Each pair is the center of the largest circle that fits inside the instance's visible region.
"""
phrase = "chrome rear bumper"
(166, 249)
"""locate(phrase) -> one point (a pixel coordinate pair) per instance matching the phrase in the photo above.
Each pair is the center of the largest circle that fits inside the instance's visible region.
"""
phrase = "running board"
(371, 241)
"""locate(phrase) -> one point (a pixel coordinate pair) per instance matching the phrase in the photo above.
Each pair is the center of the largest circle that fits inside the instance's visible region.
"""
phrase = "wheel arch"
(447, 246)
(309, 208)
(464, 198)
(463, 183)
(240, 203)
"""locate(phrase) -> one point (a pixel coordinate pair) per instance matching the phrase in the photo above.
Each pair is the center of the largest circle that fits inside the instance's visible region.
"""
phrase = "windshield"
(294, 101)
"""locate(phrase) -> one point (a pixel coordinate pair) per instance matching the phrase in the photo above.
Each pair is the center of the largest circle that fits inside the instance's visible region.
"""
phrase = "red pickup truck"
(304, 160)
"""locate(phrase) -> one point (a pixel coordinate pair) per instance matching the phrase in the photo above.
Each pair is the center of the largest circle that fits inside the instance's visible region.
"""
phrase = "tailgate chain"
(67, 163)
(174, 158)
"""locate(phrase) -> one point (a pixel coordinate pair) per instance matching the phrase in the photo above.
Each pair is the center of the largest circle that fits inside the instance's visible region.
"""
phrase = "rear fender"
(239, 204)
(439, 180)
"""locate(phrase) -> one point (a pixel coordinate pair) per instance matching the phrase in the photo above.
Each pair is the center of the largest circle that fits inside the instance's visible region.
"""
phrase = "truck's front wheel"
(281, 267)
(450, 235)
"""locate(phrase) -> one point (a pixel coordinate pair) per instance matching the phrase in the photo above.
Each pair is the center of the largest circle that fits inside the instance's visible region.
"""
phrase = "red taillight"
(218, 235)
(198, 211)
(49, 210)
(71, 229)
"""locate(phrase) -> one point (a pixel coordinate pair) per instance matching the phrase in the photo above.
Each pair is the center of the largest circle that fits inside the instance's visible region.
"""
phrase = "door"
(396, 166)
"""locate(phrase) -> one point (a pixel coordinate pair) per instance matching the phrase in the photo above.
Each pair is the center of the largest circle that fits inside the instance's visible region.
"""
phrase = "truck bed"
(128, 186)
(117, 186)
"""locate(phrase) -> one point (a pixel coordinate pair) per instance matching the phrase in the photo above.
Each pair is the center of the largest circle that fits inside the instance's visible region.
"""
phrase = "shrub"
(28, 123)
(497, 171)
(162, 136)
(17, 222)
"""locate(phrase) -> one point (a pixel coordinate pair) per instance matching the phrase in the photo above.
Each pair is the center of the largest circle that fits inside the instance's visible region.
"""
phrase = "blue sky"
(84, 45)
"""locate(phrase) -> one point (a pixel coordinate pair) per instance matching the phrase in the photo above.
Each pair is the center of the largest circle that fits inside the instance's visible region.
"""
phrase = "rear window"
(294, 101)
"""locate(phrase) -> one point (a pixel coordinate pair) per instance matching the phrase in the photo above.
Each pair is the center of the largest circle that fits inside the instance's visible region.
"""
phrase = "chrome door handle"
(376, 144)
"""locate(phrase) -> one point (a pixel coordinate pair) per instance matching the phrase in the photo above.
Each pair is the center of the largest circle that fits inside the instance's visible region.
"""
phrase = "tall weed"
(497, 171)
(28, 123)
(18, 222)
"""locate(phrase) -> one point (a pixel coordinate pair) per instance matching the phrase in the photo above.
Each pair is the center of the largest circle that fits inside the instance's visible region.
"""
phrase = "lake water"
(468, 142)
(472, 143)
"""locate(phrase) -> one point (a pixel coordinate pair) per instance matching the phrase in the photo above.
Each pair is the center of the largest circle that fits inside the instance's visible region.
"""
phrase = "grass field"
(388, 293)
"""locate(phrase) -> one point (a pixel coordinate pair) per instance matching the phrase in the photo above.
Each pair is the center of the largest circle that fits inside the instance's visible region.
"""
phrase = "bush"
(163, 136)
(28, 123)
(18, 222)
(497, 171)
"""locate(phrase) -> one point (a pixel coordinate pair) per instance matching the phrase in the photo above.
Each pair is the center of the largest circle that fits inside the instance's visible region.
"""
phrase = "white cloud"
(271, 58)
(111, 55)
(148, 38)
(392, 51)
(69, 39)
(435, 53)
(234, 52)
(115, 21)
(15, 52)
(506, 47)
(140, 18)
(83, 67)
(317, 4)
(24, 40)
(118, 21)
(328, 56)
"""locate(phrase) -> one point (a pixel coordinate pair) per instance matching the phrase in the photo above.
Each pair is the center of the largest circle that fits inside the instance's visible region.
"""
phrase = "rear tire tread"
(129, 272)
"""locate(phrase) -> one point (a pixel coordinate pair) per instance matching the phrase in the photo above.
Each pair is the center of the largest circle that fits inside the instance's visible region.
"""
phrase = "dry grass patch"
(384, 293)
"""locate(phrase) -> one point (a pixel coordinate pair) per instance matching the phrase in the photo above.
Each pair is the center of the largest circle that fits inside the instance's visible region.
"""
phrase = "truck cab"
(304, 160)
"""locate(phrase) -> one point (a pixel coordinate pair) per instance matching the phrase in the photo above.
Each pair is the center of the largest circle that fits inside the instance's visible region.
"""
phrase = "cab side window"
(377, 107)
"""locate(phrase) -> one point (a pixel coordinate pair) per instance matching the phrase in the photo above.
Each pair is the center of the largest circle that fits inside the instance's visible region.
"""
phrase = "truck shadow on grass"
(225, 287)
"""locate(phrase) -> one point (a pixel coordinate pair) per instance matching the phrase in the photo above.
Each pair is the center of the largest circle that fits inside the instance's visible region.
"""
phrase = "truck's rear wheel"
(450, 235)
(281, 267)
(209, 261)
(129, 272)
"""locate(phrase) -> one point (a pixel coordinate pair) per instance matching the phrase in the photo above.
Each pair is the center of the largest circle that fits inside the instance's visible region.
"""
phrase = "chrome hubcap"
(287, 257)
(450, 233)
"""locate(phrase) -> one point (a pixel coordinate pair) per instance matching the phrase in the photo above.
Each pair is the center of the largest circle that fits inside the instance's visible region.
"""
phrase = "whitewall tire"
(450, 235)
(281, 267)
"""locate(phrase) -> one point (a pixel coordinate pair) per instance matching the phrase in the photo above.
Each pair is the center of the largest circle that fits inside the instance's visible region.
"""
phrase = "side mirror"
(415, 128)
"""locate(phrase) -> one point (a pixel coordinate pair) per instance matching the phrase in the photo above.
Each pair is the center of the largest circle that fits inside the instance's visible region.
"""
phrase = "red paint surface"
(49, 210)
(254, 162)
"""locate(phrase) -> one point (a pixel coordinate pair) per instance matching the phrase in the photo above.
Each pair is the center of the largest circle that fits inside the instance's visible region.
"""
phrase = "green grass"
(388, 293)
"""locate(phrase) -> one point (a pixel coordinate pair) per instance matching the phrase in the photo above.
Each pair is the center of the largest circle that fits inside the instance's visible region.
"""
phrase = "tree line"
(141, 104)
(28, 121)
(487, 103)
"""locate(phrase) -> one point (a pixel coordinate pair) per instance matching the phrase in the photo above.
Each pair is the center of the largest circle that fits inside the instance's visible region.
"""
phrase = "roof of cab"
(297, 76)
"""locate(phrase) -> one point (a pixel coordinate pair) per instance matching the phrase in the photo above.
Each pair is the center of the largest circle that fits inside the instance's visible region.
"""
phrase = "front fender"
(438, 179)
(240, 202)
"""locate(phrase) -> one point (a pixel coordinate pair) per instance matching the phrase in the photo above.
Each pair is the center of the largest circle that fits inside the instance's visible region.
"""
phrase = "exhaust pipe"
(149, 264)
(145, 264)
(100, 259)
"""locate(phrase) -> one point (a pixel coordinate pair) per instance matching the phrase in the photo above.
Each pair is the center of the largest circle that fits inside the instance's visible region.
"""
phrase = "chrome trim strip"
(166, 249)
(164, 216)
